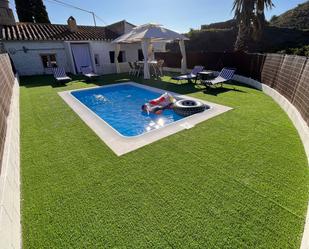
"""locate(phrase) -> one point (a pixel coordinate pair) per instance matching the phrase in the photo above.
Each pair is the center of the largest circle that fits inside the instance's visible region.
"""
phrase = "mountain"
(297, 18)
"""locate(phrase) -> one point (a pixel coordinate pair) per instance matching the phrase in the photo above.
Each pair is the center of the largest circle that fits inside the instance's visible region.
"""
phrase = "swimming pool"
(120, 107)
(114, 113)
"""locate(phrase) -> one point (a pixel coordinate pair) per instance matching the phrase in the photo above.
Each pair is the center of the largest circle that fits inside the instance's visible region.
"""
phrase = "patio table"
(149, 62)
(153, 64)
(205, 75)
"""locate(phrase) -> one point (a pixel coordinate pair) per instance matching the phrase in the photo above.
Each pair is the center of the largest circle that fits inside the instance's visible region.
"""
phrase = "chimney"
(6, 14)
(71, 24)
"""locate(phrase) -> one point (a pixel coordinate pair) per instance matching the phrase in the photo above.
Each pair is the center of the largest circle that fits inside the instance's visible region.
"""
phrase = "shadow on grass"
(36, 81)
(162, 83)
(220, 90)
(48, 80)
(185, 88)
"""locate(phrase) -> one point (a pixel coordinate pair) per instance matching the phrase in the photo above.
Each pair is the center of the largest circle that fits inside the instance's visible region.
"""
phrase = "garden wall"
(287, 74)
(7, 80)
(285, 78)
(10, 228)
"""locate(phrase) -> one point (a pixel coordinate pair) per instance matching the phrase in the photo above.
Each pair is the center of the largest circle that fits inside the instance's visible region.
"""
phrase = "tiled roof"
(50, 32)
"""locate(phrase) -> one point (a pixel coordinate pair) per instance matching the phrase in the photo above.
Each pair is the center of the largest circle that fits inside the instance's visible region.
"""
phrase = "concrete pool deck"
(121, 144)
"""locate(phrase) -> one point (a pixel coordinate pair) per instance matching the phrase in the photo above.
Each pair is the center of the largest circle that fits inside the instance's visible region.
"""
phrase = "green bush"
(304, 51)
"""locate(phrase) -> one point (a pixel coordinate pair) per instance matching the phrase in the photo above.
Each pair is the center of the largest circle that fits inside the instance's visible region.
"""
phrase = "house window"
(121, 56)
(49, 60)
(140, 55)
(97, 60)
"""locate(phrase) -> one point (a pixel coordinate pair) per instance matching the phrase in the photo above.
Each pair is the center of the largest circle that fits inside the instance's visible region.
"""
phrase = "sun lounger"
(225, 75)
(189, 77)
(60, 75)
(88, 73)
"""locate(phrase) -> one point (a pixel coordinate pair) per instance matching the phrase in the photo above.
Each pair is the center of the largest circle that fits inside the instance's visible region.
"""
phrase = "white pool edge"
(120, 144)
(177, 96)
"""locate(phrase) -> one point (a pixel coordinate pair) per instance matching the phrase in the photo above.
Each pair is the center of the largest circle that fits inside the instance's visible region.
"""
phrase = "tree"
(39, 12)
(244, 15)
(259, 18)
(273, 18)
(250, 16)
(31, 11)
(24, 10)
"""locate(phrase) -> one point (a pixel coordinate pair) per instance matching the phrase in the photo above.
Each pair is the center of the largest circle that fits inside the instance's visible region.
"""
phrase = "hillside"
(218, 40)
(297, 18)
(220, 25)
(288, 33)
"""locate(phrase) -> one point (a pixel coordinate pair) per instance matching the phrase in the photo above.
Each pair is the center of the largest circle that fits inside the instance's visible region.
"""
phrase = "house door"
(81, 55)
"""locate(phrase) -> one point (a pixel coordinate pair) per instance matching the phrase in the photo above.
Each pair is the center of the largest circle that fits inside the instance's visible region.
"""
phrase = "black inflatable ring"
(187, 107)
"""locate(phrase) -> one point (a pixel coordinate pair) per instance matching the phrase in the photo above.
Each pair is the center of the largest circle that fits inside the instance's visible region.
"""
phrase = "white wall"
(103, 49)
(131, 55)
(10, 227)
(30, 63)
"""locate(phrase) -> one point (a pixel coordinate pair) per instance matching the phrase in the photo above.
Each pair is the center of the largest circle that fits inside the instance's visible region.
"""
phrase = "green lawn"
(239, 180)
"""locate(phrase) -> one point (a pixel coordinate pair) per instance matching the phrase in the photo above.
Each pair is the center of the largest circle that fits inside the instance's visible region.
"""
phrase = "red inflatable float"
(165, 101)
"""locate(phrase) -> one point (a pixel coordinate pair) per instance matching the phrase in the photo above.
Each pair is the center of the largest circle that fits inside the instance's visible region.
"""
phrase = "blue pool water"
(120, 107)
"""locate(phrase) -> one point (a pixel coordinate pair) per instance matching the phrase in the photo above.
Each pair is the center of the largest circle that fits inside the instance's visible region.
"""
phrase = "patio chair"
(225, 75)
(88, 73)
(139, 68)
(60, 75)
(133, 68)
(153, 67)
(189, 77)
(160, 67)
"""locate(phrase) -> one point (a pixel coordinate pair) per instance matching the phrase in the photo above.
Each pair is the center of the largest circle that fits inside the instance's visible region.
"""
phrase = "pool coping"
(120, 144)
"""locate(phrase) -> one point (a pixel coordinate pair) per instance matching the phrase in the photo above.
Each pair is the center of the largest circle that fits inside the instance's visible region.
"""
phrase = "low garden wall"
(287, 74)
(10, 228)
(7, 80)
(285, 78)
(299, 123)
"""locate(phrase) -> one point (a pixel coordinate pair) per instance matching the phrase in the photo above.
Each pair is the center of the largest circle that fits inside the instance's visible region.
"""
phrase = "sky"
(179, 15)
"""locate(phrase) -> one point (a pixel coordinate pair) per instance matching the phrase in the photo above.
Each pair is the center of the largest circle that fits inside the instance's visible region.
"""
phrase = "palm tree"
(243, 14)
(249, 13)
(259, 20)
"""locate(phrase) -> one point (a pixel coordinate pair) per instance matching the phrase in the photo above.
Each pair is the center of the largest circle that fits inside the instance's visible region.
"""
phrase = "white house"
(35, 47)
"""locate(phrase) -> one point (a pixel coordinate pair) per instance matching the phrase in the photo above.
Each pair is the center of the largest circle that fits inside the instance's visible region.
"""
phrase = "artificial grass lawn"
(239, 180)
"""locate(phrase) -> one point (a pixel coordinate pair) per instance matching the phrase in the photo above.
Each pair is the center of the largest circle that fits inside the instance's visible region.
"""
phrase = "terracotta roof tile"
(49, 32)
